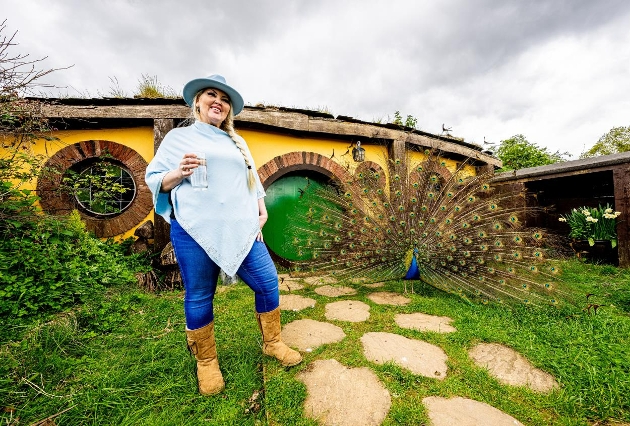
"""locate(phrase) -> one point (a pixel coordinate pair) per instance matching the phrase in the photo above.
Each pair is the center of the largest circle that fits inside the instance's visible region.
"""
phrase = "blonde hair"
(228, 127)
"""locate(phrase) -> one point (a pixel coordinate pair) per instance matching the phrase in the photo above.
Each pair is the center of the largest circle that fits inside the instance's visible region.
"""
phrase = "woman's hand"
(259, 237)
(186, 167)
(188, 164)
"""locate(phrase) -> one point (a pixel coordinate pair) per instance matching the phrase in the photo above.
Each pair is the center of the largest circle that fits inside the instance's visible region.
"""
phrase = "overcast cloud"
(556, 71)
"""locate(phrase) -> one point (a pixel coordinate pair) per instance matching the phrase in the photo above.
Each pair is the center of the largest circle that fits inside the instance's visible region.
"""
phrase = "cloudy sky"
(556, 71)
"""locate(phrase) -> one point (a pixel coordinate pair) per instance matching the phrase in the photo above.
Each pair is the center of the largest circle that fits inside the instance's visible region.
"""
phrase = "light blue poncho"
(224, 218)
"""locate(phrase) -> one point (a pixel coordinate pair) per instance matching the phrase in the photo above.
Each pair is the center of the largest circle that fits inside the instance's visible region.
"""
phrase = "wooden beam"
(162, 230)
(621, 181)
(277, 120)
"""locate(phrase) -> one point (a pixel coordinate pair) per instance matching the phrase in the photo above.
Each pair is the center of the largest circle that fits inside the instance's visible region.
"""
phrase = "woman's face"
(214, 106)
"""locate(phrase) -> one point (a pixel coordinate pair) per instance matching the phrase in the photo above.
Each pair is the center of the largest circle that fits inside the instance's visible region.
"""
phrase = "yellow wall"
(139, 139)
(263, 145)
(266, 146)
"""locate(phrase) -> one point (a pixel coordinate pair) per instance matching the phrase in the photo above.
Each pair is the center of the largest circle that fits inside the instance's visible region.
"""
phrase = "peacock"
(450, 229)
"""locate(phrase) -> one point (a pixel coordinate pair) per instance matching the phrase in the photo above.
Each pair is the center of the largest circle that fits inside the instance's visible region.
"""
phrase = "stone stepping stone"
(388, 298)
(414, 355)
(308, 334)
(320, 280)
(374, 285)
(341, 396)
(295, 302)
(465, 412)
(348, 310)
(290, 286)
(511, 368)
(335, 291)
(424, 322)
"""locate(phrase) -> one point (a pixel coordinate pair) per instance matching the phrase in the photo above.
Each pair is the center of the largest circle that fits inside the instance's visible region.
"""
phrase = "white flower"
(594, 220)
(586, 213)
(590, 219)
(609, 216)
(561, 219)
(609, 211)
(617, 214)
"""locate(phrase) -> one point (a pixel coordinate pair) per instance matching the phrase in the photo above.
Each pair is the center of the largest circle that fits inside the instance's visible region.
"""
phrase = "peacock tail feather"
(451, 230)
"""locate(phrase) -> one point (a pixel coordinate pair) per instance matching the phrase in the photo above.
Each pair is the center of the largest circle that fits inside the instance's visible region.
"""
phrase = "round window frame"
(96, 214)
(54, 201)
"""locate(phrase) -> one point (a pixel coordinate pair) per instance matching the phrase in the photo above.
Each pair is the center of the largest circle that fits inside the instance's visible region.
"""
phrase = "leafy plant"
(52, 264)
(588, 223)
(410, 121)
(99, 188)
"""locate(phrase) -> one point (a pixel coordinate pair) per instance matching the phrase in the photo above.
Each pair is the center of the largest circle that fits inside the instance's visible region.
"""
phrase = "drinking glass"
(199, 178)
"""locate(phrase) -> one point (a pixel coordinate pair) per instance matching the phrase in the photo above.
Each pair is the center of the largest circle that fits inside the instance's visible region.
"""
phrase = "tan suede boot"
(269, 323)
(202, 346)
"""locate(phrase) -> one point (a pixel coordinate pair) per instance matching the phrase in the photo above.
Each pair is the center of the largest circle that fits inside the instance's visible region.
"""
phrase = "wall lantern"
(358, 153)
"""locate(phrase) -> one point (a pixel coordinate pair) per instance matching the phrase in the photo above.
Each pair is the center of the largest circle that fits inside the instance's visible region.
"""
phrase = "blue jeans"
(200, 275)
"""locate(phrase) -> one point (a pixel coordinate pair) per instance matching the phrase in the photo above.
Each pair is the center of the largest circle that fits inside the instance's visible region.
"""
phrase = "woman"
(218, 228)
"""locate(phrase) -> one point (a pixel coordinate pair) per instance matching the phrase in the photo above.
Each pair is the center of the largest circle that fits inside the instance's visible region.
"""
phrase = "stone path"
(340, 396)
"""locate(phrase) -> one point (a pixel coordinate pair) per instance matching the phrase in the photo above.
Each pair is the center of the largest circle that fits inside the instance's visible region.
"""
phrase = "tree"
(518, 153)
(615, 141)
(21, 124)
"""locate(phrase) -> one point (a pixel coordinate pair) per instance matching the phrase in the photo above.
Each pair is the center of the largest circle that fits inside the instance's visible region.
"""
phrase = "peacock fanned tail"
(455, 233)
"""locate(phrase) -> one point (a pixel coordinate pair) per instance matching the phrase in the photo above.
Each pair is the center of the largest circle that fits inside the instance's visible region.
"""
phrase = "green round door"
(282, 203)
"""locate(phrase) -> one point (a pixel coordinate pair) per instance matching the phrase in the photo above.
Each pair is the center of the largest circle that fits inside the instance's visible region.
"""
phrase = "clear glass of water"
(199, 178)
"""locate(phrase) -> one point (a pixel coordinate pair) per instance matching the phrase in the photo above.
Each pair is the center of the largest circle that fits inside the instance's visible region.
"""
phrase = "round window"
(104, 189)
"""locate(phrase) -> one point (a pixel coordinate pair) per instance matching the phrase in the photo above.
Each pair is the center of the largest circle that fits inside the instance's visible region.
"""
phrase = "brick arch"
(278, 166)
(431, 167)
(54, 201)
(371, 166)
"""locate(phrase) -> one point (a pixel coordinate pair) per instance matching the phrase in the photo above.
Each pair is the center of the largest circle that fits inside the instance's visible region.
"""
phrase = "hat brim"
(193, 86)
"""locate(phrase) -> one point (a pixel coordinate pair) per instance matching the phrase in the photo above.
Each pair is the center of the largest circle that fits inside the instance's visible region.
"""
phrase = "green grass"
(123, 360)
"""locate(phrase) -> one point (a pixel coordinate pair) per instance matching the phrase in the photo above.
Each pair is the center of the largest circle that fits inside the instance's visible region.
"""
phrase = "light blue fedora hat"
(218, 82)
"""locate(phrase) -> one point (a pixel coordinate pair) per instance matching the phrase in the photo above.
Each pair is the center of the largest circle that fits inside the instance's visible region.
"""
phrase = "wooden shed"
(563, 186)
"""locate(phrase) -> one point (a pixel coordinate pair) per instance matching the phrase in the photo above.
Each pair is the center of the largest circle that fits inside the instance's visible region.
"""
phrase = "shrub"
(54, 263)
